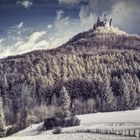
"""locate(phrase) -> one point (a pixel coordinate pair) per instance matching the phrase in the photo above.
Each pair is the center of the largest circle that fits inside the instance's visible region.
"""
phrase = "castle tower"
(110, 22)
(105, 19)
(102, 23)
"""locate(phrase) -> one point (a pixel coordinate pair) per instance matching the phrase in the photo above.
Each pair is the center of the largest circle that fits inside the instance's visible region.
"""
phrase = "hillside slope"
(100, 69)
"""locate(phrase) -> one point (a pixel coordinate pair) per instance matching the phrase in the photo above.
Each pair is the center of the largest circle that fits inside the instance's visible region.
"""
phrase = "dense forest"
(100, 72)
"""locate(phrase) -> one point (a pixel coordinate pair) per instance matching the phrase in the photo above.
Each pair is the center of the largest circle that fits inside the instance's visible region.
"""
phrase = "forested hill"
(100, 70)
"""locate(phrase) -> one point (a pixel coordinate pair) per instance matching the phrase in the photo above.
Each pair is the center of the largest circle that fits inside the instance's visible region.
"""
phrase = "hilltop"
(99, 39)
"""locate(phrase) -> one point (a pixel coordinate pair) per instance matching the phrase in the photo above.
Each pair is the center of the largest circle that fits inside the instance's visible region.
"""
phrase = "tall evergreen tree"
(64, 100)
(111, 102)
(126, 93)
(2, 119)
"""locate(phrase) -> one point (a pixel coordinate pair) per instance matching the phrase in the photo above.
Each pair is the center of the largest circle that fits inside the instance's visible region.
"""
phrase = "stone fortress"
(102, 23)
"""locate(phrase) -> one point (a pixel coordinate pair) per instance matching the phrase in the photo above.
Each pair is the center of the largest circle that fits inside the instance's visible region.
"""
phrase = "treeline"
(100, 81)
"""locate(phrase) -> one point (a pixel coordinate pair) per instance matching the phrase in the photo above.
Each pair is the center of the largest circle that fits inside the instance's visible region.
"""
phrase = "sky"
(27, 25)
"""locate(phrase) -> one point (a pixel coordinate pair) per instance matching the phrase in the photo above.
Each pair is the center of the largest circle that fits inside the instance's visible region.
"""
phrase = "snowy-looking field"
(123, 125)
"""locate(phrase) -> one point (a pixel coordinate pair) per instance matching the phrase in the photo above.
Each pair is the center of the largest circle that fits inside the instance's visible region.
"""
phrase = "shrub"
(50, 123)
(2, 133)
(71, 121)
(57, 130)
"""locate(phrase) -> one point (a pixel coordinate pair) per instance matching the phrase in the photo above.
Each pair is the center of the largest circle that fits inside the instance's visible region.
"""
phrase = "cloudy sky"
(27, 25)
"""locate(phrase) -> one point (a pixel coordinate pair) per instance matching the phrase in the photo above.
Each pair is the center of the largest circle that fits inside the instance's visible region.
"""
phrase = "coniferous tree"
(117, 88)
(126, 93)
(2, 119)
(111, 102)
(64, 100)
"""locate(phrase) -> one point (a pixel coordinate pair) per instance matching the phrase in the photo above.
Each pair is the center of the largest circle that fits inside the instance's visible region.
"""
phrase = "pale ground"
(90, 123)
(76, 136)
(109, 29)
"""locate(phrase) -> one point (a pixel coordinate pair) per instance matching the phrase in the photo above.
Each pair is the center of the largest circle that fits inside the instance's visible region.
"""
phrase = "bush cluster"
(53, 122)
(57, 130)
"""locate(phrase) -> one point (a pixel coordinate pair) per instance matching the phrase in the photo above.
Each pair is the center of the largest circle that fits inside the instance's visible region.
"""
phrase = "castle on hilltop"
(102, 23)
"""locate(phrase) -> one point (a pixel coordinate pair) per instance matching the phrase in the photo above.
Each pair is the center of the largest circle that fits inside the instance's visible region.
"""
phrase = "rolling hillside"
(123, 125)
(100, 69)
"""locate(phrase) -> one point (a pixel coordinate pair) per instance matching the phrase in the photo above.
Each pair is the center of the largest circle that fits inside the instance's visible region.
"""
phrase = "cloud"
(61, 21)
(17, 27)
(49, 26)
(20, 25)
(101, 6)
(18, 32)
(1, 41)
(69, 2)
(65, 28)
(125, 15)
(22, 38)
(38, 40)
(34, 41)
(5, 52)
(87, 17)
(26, 3)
